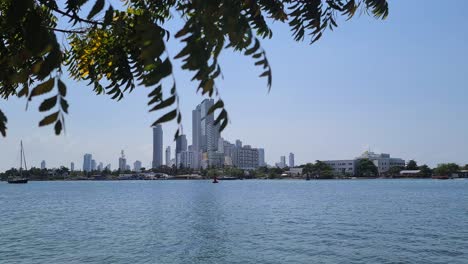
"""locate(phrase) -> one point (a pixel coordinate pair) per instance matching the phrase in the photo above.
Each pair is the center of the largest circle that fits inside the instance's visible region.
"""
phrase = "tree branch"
(67, 31)
(74, 16)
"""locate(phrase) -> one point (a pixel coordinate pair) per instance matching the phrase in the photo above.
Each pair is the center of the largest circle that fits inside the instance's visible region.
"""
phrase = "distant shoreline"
(208, 179)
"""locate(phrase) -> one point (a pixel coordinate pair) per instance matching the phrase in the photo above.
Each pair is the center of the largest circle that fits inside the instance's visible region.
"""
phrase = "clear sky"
(397, 86)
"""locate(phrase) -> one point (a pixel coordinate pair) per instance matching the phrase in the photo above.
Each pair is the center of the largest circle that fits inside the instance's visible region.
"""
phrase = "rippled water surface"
(360, 221)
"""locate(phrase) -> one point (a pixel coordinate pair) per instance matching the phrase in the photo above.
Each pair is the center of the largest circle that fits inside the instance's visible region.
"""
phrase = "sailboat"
(20, 178)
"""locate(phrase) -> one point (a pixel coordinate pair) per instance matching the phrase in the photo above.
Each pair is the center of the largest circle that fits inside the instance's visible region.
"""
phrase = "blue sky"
(396, 86)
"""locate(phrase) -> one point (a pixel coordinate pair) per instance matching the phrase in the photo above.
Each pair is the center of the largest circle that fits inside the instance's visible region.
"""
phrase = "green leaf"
(24, 91)
(223, 116)
(49, 119)
(97, 7)
(218, 104)
(253, 49)
(177, 134)
(165, 118)
(155, 76)
(183, 31)
(62, 88)
(208, 86)
(156, 92)
(21, 77)
(316, 37)
(257, 55)
(75, 4)
(48, 104)
(58, 127)
(265, 73)
(3, 122)
(223, 124)
(168, 102)
(64, 105)
(42, 88)
(108, 16)
(268, 74)
(261, 62)
(179, 118)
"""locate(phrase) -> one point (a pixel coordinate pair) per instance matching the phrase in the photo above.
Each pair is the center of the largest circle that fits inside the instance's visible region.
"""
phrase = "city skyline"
(210, 149)
(330, 100)
(181, 145)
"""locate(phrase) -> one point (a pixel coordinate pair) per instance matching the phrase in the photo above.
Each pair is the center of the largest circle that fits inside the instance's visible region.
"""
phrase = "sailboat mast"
(21, 162)
(24, 157)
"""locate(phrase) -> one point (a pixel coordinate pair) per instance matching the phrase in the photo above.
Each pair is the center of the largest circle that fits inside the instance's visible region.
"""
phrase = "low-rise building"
(215, 159)
(410, 173)
(344, 167)
(247, 157)
(186, 159)
(294, 172)
(463, 174)
(383, 161)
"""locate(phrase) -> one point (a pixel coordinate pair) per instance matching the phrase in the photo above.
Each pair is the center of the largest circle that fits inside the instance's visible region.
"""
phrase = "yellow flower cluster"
(92, 52)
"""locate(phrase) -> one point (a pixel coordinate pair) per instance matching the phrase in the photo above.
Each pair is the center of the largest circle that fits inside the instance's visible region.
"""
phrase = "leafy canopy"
(425, 171)
(446, 169)
(366, 168)
(412, 165)
(319, 169)
(115, 49)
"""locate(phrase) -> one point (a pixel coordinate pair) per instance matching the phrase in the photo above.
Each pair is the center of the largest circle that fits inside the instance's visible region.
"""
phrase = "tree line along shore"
(318, 170)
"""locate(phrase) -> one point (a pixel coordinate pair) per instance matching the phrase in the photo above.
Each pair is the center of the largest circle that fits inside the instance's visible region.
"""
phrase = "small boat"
(20, 179)
(228, 178)
(215, 179)
(17, 180)
(441, 177)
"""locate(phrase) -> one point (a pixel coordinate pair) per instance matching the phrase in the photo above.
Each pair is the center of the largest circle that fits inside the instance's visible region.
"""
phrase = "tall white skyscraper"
(87, 162)
(72, 166)
(291, 160)
(205, 134)
(43, 165)
(282, 162)
(100, 167)
(122, 162)
(221, 145)
(196, 136)
(93, 165)
(168, 156)
(196, 128)
(137, 166)
(261, 157)
(157, 146)
(181, 146)
(209, 131)
(181, 143)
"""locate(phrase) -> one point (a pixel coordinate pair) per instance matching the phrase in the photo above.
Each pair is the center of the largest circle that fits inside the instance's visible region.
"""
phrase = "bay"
(250, 221)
